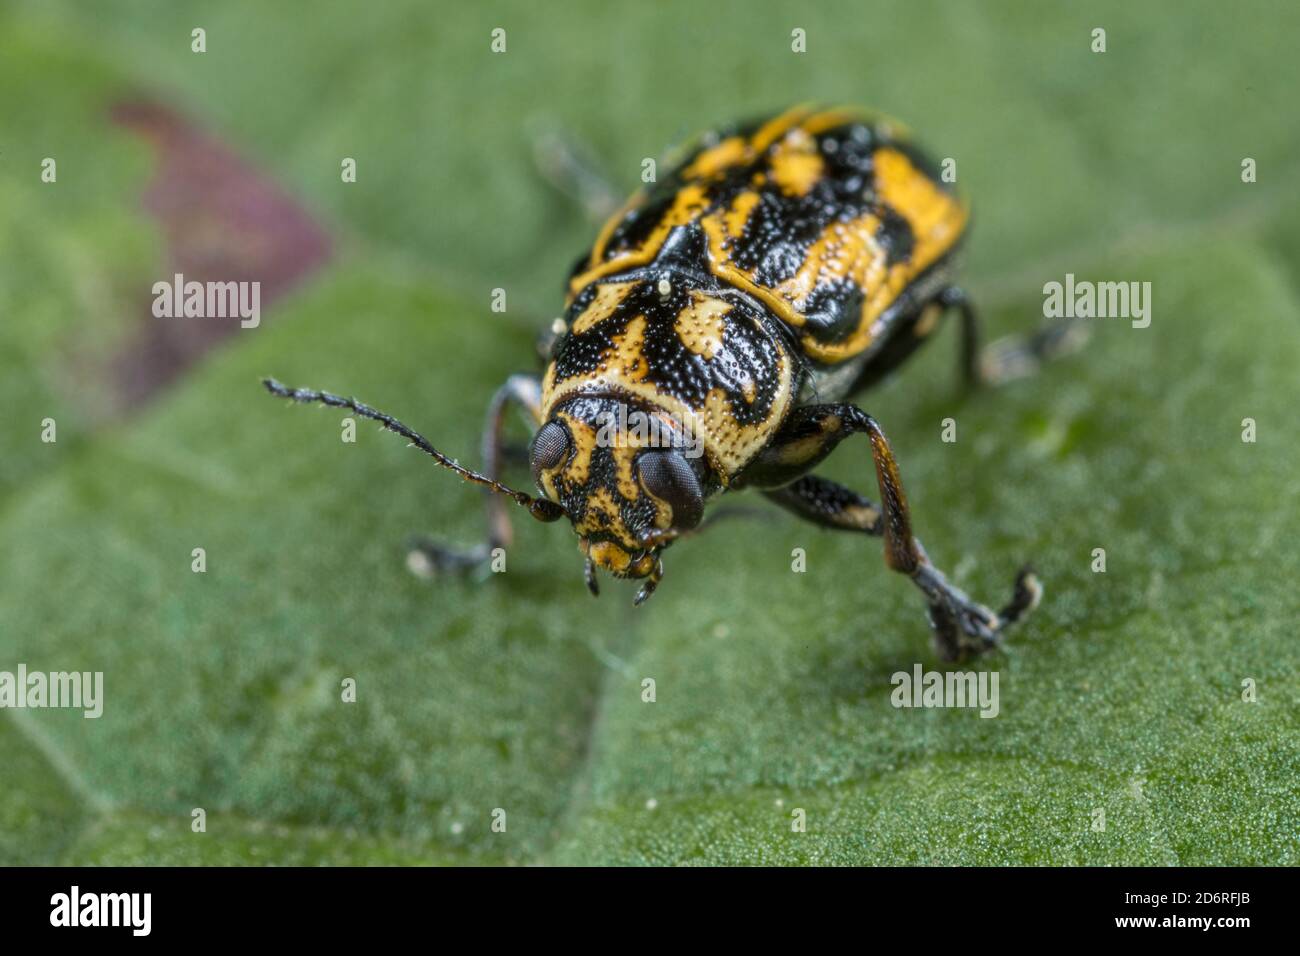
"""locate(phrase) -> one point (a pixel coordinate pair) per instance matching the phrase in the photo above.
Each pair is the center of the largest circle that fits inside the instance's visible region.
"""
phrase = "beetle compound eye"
(668, 476)
(550, 447)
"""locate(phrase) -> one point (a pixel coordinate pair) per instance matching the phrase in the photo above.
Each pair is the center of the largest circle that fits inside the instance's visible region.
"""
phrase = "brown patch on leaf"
(223, 221)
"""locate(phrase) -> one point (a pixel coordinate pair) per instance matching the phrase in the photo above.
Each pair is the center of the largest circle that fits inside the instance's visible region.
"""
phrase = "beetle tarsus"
(427, 559)
(962, 627)
(1012, 357)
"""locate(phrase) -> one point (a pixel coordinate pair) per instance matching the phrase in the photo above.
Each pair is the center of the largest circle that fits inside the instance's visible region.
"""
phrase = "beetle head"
(627, 476)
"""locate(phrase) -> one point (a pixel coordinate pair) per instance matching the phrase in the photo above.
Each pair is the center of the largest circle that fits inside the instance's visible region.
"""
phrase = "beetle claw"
(1028, 592)
(963, 627)
(427, 558)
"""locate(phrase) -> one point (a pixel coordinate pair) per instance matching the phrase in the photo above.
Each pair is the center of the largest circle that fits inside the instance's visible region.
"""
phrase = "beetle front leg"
(960, 625)
(829, 505)
(427, 556)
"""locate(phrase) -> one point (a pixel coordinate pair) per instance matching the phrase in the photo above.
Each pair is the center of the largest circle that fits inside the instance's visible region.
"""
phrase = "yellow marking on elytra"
(722, 228)
(734, 219)
(933, 214)
(846, 250)
(886, 127)
(796, 164)
(607, 230)
(829, 119)
(608, 298)
(700, 326)
(732, 151)
(936, 219)
(777, 127)
(737, 151)
(688, 203)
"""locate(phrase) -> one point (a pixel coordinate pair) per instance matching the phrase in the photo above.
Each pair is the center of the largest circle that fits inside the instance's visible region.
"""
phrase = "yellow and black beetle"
(781, 267)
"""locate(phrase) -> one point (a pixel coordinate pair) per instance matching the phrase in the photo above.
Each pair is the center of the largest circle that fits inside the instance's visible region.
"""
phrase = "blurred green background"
(1123, 693)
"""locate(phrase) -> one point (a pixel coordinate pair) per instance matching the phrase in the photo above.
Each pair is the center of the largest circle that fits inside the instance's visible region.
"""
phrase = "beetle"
(731, 310)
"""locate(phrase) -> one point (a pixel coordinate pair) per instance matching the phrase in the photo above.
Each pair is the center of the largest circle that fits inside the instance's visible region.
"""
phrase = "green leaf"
(1123, 693)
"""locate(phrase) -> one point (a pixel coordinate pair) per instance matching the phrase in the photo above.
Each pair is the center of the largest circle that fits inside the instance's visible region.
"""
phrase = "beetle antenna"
(543, 509)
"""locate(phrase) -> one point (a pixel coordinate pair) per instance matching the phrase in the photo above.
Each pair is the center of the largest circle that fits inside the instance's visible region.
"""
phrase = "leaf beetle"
(711, 339)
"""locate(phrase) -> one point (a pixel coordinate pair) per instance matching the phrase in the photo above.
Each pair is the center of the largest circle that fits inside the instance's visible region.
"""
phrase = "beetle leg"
(808, 435)
(567, 165)
(830, 505)
(960, 625)
(427, 556)
(1012, 357)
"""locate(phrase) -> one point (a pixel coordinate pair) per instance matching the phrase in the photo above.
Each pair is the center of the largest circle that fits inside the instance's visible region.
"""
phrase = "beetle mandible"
(729, 311)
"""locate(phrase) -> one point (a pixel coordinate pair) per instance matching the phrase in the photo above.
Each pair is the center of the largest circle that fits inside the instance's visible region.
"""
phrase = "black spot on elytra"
(773, 244)
(895, 236)
(834, 310)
